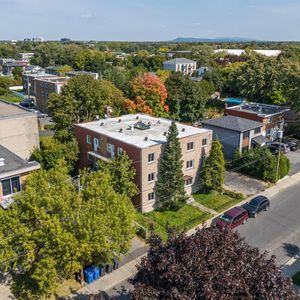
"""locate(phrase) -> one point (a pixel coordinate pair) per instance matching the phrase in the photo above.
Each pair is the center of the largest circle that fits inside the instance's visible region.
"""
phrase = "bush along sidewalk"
(260, 163)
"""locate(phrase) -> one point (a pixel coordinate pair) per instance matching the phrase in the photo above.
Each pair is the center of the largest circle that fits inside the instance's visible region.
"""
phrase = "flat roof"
(12, 164)
(260, 109)
(54, 79)
(179, 60)
(122, 129)
(11, 110)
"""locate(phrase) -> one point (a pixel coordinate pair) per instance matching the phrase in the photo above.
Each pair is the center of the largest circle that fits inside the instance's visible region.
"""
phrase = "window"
(11, 186)
(120, 150)
(151, 196)
(257, 130)
(204, 142)
(189, 181)
(151, 157)
(246, 135)
(190, 146)
(151, 177)
(88, 139)
(190, 164)
(111, 150)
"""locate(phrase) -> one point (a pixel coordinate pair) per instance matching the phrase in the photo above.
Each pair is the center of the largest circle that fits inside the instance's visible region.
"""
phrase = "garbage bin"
(102, 270)
(96, 272)
(116, 263)
(88, 275)
(109, 268)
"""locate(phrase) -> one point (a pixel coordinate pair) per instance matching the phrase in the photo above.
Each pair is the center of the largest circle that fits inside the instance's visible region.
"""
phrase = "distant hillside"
(214, 40)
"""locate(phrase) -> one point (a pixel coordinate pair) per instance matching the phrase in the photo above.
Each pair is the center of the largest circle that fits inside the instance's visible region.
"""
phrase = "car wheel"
(255, 215)
(267, 208)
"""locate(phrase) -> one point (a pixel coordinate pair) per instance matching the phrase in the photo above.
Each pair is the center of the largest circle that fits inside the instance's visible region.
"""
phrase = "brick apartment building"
(271, 115)
(142, 137)
(44, 87)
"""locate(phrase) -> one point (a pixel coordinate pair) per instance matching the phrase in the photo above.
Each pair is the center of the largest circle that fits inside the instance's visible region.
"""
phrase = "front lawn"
(184, 219)
(216, 201)
(11, 98)
(296, 278)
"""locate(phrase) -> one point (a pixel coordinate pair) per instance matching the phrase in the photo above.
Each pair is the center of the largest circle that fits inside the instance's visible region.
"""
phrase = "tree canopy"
(210, 264)
(52, 231)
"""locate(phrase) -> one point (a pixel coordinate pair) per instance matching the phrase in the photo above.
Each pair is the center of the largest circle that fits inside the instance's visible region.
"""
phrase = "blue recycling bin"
(96, 272)
(88, 275)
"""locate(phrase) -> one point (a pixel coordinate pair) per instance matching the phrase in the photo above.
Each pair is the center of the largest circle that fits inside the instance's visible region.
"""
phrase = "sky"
(149, 20)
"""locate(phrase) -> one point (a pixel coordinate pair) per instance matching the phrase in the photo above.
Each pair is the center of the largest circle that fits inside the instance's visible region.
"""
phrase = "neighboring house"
(271, 115)
(34, 39)
(7, 68)
(18, 129)
(13, 172)
(25, 55)
(183, 65)
(29, 85)
(236, 133)
(34, 69)
(46, 86)
(52, 70)
(143, 137)
(75, 73)
(6, 60)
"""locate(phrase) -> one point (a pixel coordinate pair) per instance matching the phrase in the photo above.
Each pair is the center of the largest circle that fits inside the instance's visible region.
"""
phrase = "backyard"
(184, 219)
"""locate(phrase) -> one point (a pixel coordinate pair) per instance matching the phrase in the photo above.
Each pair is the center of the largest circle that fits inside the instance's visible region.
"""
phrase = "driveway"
(243, 184)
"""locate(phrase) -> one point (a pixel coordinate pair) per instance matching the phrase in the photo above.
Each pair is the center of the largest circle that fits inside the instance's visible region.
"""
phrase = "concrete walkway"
(204, 208)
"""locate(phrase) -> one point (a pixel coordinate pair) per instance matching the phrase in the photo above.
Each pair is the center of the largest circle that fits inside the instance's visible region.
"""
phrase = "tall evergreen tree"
(170, 185)
(214, 168)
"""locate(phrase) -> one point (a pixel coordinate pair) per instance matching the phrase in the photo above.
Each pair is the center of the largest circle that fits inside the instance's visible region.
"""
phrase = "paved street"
(294, 157)
(277, 230)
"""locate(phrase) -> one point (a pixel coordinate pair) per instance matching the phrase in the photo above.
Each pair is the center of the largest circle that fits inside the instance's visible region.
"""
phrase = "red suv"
(232, 218)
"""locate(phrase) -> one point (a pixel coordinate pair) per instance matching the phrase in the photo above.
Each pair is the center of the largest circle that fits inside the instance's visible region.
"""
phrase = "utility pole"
(280, 133)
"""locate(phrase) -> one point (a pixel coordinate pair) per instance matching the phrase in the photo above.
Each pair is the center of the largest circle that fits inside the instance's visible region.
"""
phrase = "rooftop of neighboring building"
(73, 73)
(11, 164)
(180, 60)
(233, 123)
(263, 110)
(53, 79)
(139, 130)
(11, 110)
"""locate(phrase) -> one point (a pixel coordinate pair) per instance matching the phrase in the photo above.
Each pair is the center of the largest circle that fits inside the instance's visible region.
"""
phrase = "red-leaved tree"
(149, 94)
(211, 264)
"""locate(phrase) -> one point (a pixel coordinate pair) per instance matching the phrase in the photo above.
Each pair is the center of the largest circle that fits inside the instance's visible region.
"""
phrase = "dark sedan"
(257, 205)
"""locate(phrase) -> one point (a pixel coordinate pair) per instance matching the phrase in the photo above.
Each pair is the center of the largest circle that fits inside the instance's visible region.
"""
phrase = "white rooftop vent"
(2, 162)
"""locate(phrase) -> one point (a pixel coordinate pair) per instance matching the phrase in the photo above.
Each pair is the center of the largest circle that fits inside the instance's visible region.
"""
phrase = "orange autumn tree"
(149, 93)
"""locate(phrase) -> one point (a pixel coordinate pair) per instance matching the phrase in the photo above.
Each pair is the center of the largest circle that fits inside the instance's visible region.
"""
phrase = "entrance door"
(96, 145)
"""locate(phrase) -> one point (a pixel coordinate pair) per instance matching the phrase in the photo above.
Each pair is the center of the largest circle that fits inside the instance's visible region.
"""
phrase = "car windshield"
(226, 218)
(255, 202)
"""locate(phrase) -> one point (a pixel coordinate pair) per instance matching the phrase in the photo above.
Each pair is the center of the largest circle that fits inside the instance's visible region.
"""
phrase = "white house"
(183, 65)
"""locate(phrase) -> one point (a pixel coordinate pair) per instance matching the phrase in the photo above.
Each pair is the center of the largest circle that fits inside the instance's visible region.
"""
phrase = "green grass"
(296, 278)
(216, 201)
(184, 219)
(11, 98)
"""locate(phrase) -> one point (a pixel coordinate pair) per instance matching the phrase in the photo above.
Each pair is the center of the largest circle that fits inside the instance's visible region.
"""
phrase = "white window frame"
(152, 180)
(152, 194)
(88, 139)
(188, 163)
(191, 180)
(11, 189)
(120, 150)
(151, 161)
(193, 146)
(206, 142)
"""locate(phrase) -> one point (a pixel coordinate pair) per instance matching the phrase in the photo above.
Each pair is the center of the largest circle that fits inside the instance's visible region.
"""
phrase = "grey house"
(236, 133)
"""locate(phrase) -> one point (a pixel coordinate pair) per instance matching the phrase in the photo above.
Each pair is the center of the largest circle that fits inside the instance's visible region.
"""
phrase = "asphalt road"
(277, 230)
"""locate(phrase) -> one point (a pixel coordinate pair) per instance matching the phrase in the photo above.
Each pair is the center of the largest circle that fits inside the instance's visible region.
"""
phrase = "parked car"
(39, 114)
(27, 102)
(232, 218)
(291, 144)
(274, 147)
(257, 205)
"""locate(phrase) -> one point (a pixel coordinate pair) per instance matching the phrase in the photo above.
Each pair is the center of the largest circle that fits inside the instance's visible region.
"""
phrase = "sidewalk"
(291, 267)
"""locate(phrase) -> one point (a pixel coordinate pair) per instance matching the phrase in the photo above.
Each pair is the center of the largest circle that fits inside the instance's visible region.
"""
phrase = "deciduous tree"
(210, 264)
